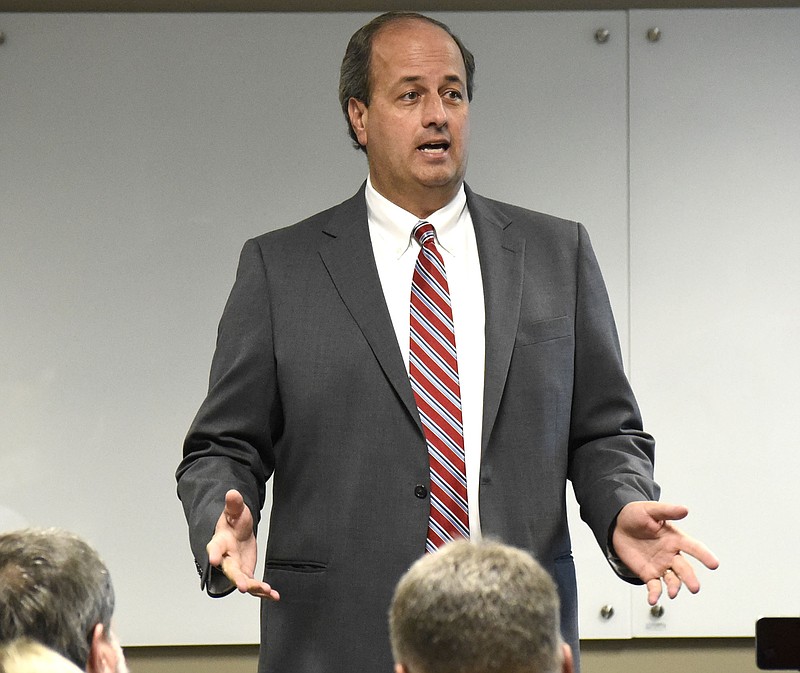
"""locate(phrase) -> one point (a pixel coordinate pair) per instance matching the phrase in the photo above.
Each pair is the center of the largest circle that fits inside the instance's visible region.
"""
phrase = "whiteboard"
(138, 152)
(715, 298)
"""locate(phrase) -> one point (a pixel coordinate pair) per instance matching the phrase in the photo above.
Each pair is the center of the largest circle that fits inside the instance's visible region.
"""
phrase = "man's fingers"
(685, 573)
(245, 583)
(664, 511)
(699, 551)
(262, 590)
(666, 549)
(673, 581)
(214, 551)
(679, 574)
(234, 573)
(653, 590)
(234, 506)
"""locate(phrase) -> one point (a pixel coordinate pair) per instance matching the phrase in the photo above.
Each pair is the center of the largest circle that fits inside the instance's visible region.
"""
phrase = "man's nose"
(434, 112)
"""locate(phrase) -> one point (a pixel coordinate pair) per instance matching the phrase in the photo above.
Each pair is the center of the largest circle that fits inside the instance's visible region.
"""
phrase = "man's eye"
(411, 95)
(454, 95)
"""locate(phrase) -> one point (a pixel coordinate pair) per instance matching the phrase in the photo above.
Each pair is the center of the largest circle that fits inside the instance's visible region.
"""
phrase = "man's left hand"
(646, 541)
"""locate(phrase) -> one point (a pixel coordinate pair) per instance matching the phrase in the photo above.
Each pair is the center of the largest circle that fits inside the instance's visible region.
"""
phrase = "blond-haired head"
(28, 656)
(477, 608)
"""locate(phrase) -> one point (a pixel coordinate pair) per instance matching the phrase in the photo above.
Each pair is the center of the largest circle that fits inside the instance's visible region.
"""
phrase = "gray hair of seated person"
(55, 589)
(476, 608)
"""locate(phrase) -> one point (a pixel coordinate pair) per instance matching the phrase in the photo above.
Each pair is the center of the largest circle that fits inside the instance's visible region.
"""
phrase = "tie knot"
(423, 232)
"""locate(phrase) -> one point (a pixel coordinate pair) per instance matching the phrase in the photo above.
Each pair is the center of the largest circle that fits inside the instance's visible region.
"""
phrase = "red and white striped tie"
(433, 370)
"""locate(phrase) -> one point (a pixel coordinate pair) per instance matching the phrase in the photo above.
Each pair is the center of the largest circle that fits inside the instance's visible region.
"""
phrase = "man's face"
(416, 127)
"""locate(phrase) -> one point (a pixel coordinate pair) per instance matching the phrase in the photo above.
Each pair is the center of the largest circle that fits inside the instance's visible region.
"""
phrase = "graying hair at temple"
(55, 589)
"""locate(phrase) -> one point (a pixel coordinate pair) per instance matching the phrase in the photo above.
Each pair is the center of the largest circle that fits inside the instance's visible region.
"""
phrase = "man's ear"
(102, 654)
(358, 112)
(568, 665)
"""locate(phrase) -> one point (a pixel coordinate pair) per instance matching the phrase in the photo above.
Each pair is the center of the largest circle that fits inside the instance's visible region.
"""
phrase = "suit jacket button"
(420, 491)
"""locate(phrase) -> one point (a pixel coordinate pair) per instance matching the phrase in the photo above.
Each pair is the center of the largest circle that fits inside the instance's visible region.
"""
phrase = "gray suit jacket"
(308, 387)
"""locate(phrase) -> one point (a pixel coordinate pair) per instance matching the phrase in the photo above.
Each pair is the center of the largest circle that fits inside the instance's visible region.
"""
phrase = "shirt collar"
(394, 224)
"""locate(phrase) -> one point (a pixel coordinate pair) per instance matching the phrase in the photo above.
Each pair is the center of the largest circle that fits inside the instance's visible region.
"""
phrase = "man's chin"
(443, 178)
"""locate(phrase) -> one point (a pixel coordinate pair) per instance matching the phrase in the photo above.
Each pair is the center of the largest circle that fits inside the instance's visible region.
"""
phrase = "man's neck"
(423, 204)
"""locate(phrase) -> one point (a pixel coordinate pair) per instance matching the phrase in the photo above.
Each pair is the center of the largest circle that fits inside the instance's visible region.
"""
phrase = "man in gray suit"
(310, 384)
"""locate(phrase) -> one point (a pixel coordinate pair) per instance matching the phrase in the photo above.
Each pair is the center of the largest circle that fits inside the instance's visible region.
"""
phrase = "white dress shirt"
(396, 253)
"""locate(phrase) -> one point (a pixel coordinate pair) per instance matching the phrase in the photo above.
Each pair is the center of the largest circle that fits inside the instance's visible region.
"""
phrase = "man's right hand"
(234, 550)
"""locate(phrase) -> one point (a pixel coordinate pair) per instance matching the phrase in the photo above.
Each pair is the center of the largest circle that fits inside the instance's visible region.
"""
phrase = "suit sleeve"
(229, 444)
(611, 456)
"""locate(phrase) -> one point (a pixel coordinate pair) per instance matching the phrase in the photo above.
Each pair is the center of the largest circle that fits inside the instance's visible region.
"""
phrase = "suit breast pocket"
(539, 331)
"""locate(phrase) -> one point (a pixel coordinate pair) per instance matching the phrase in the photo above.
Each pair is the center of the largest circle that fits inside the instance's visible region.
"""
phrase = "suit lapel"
(501, 255)
(348, 257)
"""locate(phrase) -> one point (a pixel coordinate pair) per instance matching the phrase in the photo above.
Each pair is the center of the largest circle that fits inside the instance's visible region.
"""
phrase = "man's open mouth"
(434, 148)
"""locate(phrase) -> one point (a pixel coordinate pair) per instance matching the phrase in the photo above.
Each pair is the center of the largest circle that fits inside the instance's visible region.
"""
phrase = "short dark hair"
(354, 74)
(55, 589)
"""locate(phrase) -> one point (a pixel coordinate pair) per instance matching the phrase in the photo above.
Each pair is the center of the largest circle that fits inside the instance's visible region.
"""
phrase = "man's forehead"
(408, 36)
(410, 24)
(408, 52)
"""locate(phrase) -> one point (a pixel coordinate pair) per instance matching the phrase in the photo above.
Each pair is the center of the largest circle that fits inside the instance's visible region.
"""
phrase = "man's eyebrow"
(411, 79)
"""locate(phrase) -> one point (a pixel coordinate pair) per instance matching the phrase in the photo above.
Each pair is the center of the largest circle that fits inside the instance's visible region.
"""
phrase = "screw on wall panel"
(654, 34)
(601, 35)
(607, 612)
